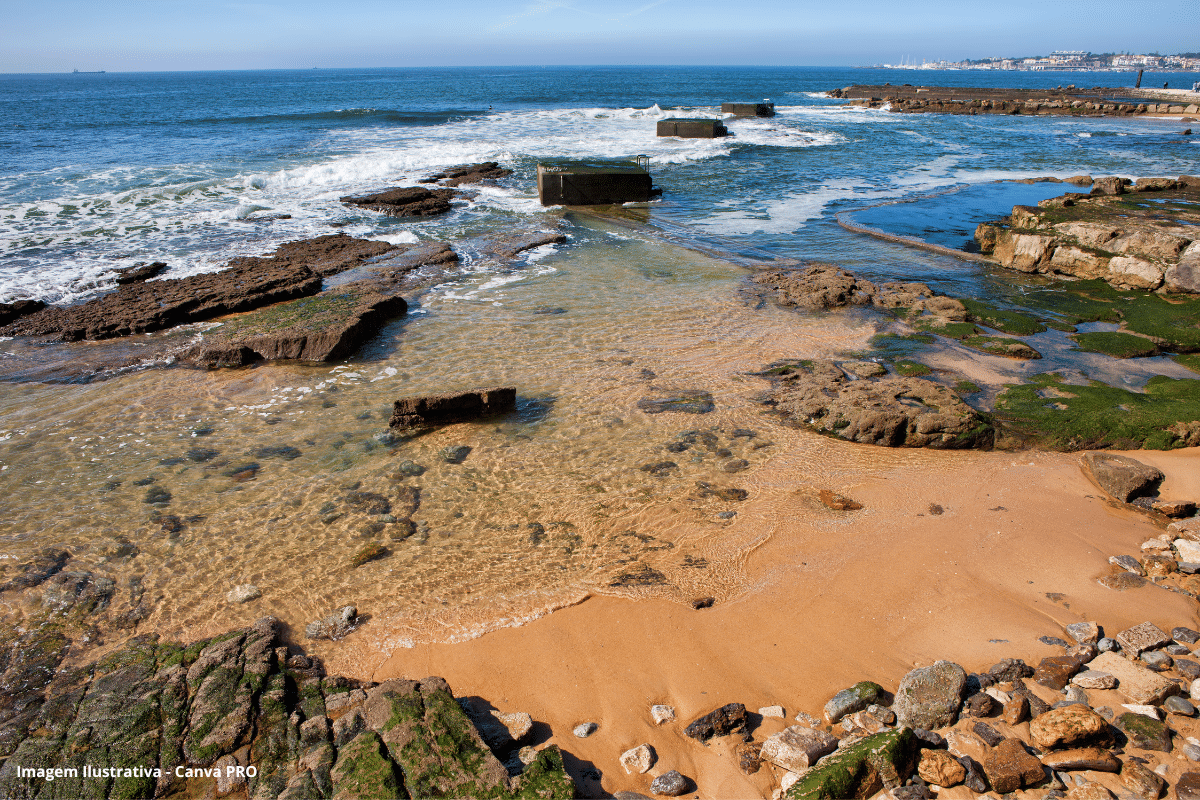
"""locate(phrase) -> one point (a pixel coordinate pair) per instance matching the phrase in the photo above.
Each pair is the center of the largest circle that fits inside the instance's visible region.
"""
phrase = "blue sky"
(60, 35)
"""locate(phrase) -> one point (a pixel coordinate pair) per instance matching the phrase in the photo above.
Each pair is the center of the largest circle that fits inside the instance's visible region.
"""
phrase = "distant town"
(1068, 60)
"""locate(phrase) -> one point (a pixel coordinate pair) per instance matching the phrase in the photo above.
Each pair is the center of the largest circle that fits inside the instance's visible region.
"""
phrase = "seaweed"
(1190, 360)
(1003, 320)
(1062, 416)
(1115, 344)
(911, 369)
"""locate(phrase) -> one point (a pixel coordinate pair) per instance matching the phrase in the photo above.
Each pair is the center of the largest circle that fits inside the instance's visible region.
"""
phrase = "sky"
(151, 35)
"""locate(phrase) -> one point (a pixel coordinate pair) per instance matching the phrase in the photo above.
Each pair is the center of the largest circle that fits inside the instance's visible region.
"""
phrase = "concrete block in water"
(749, 109)
(594, 185)
(692, 128)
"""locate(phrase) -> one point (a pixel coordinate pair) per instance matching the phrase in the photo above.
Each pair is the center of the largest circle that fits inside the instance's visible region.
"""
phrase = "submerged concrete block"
(749, 109)
(594, 185)
(692, 128)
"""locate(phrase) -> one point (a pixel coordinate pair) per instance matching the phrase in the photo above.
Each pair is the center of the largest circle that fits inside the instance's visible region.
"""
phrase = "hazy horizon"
(172, 35)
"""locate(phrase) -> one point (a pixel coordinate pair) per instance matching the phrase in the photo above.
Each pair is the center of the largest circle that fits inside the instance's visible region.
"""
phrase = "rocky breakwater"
(243, 715)
(417, 201)
(1132, 235)
(1062, 101)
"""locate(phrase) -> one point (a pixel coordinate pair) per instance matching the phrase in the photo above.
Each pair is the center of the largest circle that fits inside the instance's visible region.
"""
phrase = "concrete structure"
(749, 109)
(692, 128)
(578, 184)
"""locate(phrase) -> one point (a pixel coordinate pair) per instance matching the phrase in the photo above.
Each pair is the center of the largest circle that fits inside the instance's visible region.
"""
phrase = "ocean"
(99, 172)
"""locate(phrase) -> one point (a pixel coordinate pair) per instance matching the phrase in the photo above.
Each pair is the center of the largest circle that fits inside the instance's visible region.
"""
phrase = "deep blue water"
(103, 170)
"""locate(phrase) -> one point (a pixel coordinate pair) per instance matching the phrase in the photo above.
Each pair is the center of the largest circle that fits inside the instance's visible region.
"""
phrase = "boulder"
(797, 748)
(1082, 758)
(1122, 477)
(1145, 636)
(412, 201)
(1068, 725)
(1142, 782)
(1009, 767)
(670, 784)
(1110, 185)
(1144, 732)
(930, 697)
(819, 286)
(1149, 243)
(891, 411)
(444, 409)
(940, 768)
(1023, 251)
(1130, 272)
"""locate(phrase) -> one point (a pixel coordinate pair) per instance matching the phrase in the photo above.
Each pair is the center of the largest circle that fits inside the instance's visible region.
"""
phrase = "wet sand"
(836, 597)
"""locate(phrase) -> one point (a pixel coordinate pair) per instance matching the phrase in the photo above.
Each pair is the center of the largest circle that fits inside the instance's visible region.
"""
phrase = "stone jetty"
(1068, 101)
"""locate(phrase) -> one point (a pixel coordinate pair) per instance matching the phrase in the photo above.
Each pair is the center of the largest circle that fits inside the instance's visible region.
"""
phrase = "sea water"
(181, 484)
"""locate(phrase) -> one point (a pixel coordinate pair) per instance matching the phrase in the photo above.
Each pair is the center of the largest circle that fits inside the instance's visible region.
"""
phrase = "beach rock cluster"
(1098, 721)
(468, 173)
(887, 410)
(1130, 245)
(242, 714)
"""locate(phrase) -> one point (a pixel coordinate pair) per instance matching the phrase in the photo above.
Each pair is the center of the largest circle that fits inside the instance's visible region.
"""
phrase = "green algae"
(1003, 320)
(1115, 344)
(939, 326)
(860, 770)
(911, 369)
(967, 387)
(1062, 416)
(1189, 360)
(1000, 346)
(364, 770)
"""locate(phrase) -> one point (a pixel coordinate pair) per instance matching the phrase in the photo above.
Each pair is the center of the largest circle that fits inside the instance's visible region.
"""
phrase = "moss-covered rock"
(1115, 344)
(363, 770)
(884, 760)
(1144, 732)
(545, 778)
(1052, 413)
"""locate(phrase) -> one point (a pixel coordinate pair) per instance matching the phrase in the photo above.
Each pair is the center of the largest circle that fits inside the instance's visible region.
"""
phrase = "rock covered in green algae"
(158, 706)
(883, 760)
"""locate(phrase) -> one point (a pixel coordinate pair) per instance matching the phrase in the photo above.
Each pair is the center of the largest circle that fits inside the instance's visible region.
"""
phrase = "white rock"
(1146, 711)
(1187, 550)
(1155, 546)
(243, 594)
(775, 712)
(787, 780)
(661, 714)
(518, 723)
(638, 759)
(585, 729)
(1094, 679)
(999, 695)
(808, 719)
(1194, 692)
(797, 748)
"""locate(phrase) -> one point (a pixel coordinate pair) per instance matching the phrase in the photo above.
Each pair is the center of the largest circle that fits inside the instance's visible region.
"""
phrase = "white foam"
(406, 237)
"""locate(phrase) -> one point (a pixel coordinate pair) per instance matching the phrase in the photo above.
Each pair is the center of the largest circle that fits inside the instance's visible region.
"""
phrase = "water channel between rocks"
(181, 484)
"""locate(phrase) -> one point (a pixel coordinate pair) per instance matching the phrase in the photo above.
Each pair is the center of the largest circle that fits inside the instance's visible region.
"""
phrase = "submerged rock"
(444, 409)
(412, 201)
(891, 411)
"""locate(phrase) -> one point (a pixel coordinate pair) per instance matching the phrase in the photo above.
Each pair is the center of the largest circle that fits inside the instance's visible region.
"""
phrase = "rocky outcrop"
(10, 312)
(973, 100)
(293, 270)
(823, 286)
(444, 409)
(1128, 242)
(1122, 477)
(891, 411)
(410, 201)
(468, 173)
(160, 718)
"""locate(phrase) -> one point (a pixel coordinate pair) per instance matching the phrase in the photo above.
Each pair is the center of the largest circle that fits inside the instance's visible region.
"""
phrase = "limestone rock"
(638, 759)
(662, 714)
(1120, 476)
(819, 286)
(1094, 679)
(443, 409)
(243, 593)
(1129, 272)
(1084, 632)
(1009, 767)
(930, 697)
(1089, 791)
(940, 768)
(1145, 636)
(890, 411)
(1066, 726)
(585, 729)
(772, 712)
(1141, 782)
(1023, 251)
(797, 748)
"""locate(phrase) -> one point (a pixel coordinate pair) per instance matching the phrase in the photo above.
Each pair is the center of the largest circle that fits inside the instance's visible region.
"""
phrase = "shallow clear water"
(101, 171)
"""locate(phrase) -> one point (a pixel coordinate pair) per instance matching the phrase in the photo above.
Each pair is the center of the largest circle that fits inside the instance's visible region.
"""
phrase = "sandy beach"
(849, 596)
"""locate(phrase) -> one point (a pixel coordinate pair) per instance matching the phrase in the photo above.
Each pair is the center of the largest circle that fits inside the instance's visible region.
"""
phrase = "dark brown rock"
(1056, 671)
(293, 270)
(838, 502)
(1188, 786)
(469, 173)
(10, 312)
(514, 245)
(1009, 767)
(722, 722)
(141, 272)
(412, 201)
(1122, 477)
(444, 409)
